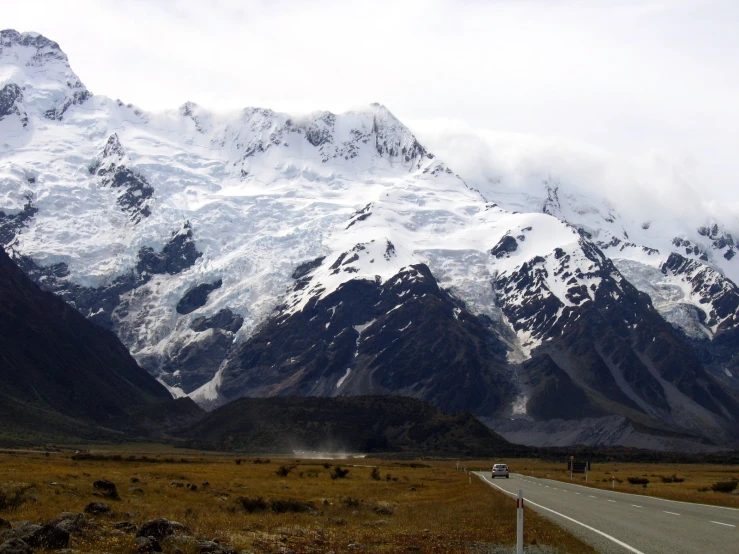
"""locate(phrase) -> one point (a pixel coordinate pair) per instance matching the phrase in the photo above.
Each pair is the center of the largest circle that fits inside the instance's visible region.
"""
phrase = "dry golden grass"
(698, 478)
(425, 507)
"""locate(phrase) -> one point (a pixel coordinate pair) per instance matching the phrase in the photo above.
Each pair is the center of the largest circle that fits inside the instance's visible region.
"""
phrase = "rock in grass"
(97, 508)
(212, 547)
(174, 542)
(147, 544)
(49, 537)
(69, 522)
(108, 488)
(157, 528)
(15, 546)
(23, 530)
(125, 526)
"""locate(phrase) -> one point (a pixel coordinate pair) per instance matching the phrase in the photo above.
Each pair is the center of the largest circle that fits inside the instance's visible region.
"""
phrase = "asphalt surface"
(617, 523)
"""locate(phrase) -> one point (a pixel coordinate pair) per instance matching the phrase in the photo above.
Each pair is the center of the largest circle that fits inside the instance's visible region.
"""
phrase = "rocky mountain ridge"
(261, 254)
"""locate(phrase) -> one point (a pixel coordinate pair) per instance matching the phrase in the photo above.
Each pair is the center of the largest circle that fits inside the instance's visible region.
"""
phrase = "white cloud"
(637, 186)
(628, 76)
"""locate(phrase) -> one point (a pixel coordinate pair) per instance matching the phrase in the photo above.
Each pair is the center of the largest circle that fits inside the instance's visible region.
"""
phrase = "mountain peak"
(33, 48)
(40, 69)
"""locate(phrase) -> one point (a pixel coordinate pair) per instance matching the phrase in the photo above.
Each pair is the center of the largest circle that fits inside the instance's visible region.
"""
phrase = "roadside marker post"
(613, 483)
(519, 522)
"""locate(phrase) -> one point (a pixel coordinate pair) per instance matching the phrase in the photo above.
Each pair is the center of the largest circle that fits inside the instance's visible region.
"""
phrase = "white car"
(500, 470)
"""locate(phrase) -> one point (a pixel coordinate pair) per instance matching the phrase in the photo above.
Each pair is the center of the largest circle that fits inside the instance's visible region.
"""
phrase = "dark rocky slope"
(610, 352)
(404, 337)
(344, 424)
(61, 375)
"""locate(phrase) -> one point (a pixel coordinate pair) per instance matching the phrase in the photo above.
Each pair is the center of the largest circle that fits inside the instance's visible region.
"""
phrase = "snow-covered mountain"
(259, 253)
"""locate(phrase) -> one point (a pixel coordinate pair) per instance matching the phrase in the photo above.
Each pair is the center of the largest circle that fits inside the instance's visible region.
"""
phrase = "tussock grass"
(426, 507)
(684, 482)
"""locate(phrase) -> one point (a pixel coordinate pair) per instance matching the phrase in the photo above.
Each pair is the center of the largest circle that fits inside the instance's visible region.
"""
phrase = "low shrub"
(339, 473)
(252, 505)
(284, 471)
(11, 501)
(638, 480)
(375, 474)
(291, 505)
(724, 486)
(673, 479)
(87, 457)
(350, 502)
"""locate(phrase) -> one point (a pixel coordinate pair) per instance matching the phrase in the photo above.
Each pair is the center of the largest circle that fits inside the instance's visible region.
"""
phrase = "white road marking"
(672, 513)
(568, 518)
(612, 501)
(577, 493)
(693, 504)
(591, 496)
(719, 523)
(635, 506)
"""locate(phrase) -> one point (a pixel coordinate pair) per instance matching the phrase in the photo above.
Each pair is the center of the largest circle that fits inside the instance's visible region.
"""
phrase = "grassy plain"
(693, 483)
(422, 506)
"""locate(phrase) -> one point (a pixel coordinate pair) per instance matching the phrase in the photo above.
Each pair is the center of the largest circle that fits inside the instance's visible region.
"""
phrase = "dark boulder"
(49, 537)
(23, 530)
(147, 544)
(157, 528)
(97, 508)
(69, 522)
(125, 526)
(212, 547)
(107, 488)
(15, 546)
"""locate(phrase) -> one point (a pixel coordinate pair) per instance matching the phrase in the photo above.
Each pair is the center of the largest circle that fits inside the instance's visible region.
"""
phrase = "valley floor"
(259, 505)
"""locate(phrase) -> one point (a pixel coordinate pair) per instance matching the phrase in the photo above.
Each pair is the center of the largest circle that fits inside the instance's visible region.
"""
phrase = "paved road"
(617, 523)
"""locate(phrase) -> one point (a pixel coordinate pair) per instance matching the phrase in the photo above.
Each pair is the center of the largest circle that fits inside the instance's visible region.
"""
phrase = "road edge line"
(631, 493)
(593, 529)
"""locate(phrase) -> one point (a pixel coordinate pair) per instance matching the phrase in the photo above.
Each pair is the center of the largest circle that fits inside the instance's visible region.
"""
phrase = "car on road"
(500, 470)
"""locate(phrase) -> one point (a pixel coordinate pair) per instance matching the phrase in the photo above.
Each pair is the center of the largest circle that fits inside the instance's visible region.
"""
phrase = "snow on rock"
(280, 209)
(715, 296)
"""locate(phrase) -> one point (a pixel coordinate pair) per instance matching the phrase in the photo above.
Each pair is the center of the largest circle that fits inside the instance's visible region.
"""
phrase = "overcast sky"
(631, 77)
